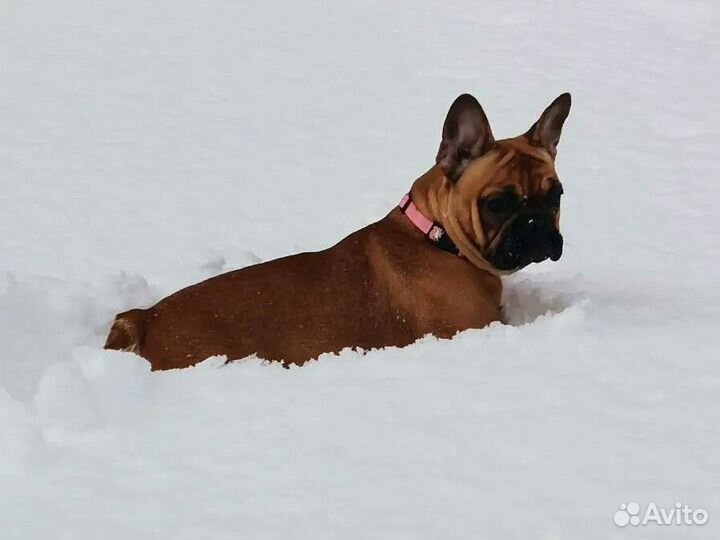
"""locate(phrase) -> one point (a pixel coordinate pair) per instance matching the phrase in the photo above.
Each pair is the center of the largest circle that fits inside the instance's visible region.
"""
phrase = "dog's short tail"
(127, 332)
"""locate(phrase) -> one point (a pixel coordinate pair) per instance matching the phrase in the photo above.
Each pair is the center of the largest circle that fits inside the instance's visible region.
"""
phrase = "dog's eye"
(500, 204)
(552, 199)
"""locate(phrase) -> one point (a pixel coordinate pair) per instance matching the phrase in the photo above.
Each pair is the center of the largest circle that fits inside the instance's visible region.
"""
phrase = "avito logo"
(680, 514)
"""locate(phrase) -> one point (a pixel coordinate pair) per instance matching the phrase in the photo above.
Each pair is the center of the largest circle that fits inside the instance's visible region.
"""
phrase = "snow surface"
(146, 145)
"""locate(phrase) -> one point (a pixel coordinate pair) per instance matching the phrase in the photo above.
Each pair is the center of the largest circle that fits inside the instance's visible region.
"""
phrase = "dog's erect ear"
(466, 135)
(546, 131)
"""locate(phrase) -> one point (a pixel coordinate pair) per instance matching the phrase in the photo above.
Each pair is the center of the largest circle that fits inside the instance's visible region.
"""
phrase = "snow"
(146, 146)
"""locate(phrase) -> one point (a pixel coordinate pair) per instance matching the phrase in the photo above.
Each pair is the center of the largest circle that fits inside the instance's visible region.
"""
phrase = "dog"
(431, 266)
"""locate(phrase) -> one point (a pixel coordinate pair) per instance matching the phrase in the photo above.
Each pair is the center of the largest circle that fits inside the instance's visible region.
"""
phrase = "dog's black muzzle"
(531, 238)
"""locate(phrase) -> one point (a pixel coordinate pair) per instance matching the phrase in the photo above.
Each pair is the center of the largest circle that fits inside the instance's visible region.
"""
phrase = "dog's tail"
(127, 332)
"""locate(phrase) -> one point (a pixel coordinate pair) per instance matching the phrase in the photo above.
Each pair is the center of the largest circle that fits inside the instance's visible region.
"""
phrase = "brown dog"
(431, 266)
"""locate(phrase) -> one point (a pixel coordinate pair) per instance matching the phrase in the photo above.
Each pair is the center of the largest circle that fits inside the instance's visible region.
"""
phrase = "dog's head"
(502, 202)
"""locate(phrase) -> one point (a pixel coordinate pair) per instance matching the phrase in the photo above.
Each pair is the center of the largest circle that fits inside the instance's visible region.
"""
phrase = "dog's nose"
(540, 237)
(537, 224)
(532, 237)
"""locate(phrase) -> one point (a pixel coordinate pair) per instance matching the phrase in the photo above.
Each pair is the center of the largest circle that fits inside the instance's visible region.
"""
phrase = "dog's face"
(519, 207)
(503, 196)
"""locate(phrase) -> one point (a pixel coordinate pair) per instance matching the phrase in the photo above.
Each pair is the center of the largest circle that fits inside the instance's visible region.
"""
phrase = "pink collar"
(434, 232)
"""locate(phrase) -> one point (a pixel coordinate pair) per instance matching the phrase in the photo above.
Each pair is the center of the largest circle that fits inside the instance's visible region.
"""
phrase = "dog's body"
(382, 285)
(385, 284)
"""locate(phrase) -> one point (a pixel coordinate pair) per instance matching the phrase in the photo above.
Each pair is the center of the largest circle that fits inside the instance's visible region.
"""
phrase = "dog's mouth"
(532, 238)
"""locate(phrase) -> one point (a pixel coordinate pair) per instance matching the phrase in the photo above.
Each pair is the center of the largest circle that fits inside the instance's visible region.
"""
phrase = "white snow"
(147, 145)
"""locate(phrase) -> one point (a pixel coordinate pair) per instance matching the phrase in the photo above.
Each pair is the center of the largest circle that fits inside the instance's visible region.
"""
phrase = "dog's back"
(289, 309)
(375, 288)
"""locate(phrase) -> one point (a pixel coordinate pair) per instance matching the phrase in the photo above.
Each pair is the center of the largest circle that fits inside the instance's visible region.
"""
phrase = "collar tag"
(434, 232)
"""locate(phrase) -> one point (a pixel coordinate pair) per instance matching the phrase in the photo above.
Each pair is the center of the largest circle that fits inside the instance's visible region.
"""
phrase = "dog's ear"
(466, 135)
(546, 131)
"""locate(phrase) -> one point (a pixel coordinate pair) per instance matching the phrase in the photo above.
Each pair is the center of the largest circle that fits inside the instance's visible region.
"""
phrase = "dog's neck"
(431, 194)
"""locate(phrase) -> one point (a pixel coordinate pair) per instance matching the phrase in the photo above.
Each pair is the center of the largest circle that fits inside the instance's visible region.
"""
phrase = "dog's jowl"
(431, 266)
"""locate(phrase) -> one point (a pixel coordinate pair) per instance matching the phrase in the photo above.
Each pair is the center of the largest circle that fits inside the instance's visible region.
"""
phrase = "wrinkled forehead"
(513, 162)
